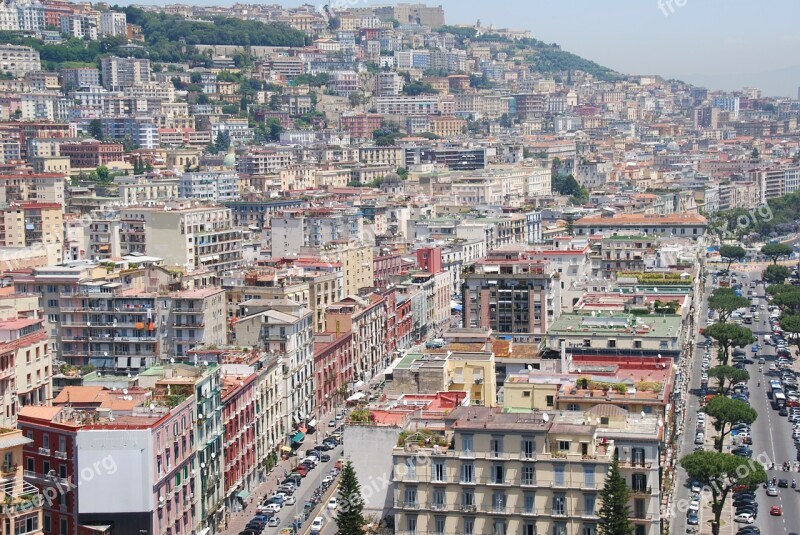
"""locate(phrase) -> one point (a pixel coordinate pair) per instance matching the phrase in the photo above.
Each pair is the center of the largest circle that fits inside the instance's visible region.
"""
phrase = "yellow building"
(444, 126)
(22, 503)
(27, 224)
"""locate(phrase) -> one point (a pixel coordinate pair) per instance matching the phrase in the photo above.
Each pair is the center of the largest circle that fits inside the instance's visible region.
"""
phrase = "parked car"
(744, 518)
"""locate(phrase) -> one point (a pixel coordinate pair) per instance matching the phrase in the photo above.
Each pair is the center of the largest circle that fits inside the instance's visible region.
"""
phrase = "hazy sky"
(723, 44)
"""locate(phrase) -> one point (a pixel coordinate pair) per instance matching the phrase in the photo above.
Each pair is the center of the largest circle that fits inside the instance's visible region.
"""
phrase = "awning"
(312, 423)
(357, 396)
(298, 437)
(242, 494)
(286, 448)
(359, 384)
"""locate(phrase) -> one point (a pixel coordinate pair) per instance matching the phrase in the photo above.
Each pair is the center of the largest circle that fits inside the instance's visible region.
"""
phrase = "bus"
(779, 400)
(747, 318)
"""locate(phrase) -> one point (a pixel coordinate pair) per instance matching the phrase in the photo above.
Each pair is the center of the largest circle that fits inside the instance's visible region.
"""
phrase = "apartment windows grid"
(528, 474)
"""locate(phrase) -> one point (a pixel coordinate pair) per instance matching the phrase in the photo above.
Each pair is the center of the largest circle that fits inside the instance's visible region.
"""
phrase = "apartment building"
(262, 161)
(681, 225)
(621, 253)
(32, 187)
(511, 293)
(18, 60)
(192, 318)
(447, 127)
(28, 224)
(22, 511)
(285, 329)
(617, 335)
(366, 319)
(80, 25)
(113, 24)
(502, 473)
(360, 125)
(119, 73)
(292, 230)
(143, 188)
(209, 186)
(192, 237)
(404, 105)
(90, 153)
(333, 369)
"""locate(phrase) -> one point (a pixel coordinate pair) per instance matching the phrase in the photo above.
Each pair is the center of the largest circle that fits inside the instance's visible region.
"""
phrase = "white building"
(215, 187)
(112, 24)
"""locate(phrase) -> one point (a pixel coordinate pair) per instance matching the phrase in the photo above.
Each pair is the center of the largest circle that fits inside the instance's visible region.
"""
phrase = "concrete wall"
(370, 450)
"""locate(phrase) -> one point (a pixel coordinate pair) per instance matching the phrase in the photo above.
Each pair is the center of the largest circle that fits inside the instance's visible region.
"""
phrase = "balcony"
(413, 506)
(47, 479)
(44, 451)
(642, 491)
(8, 469)
(635, 464)
(61, 455)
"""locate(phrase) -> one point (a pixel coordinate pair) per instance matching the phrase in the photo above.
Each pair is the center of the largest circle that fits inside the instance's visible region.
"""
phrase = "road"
(771, 434)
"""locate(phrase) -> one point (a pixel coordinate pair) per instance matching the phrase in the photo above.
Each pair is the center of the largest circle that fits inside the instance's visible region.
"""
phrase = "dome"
(392, 178)
(229, 161)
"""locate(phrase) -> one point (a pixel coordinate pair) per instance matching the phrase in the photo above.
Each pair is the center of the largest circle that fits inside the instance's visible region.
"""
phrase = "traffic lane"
(775, 432)
(306, 489)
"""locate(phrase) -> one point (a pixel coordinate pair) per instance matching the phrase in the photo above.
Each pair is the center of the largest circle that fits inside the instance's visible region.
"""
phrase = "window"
(640, 530)
(550, 400)
(588, 476)
(558, 475)
(499, 501)
(639, 510)
(467, 473)
(639, 482)
(526, 394)
(637, 344)
(466, 444)
(45, 439)
(437, 499)
(438, 525)
(411, 523)
(499, 527)
(411, 468)
(529, 503)
(559, 504)
(573, 407)
(528, 475)
(529, 528)
(498, 474)
(612, 343)
(563, 445)
(469, 526)
(468, 498)
(411, 496)
(26, 524)
(589, 501)
(591, 529)
(47, 523)
(496, 446)
(439, 472)
(528, 448)
(637, 456)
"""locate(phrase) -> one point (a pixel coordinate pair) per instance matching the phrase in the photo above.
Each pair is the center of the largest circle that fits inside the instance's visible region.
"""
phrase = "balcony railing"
(642, 491)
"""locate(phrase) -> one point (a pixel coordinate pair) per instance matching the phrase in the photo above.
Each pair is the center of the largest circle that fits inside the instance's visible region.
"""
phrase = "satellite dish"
(643, 415)
(545, 417)
(530, 368)
(125, 391)
(172, 360)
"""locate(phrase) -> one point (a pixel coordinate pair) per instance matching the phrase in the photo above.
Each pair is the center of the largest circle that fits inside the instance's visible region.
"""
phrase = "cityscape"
(358, 268)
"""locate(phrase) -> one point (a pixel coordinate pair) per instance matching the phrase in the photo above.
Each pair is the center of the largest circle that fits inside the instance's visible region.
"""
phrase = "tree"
(726, 377)
(726, 412)
(350, 510)
(791, 324)
(755, 156)
(729, 335)
(776, 251)
(223, 142)
(786, 297)
(615, 512)
(722, 472)
(95, 129)
(731, 253)
(725, 301)
(776, 274)
(402, 172)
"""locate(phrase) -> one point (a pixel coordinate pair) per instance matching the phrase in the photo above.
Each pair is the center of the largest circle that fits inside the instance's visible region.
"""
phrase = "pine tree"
(350, 511)
(615, 511)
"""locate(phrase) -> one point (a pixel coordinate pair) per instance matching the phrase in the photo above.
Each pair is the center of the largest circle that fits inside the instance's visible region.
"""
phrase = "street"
(771, 433)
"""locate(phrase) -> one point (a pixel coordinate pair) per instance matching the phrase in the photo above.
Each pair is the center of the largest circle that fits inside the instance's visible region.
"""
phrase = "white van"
(768, 339)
